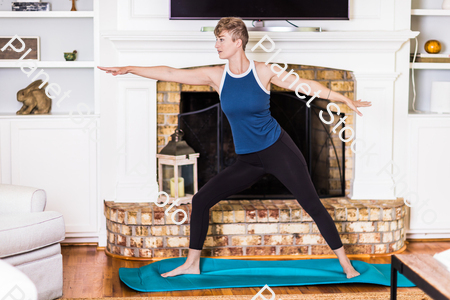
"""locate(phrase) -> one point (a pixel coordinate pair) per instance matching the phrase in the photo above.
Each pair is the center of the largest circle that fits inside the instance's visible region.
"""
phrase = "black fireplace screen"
(208, 132)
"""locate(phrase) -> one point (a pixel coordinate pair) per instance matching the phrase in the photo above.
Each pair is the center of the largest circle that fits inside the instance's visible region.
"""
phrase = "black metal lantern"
(177, 170)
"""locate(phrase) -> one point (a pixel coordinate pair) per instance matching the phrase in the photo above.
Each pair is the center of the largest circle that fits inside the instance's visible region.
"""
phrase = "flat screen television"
(260, 9)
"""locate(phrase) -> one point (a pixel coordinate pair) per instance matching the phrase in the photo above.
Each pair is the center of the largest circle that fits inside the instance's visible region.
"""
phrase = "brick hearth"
(255, 228)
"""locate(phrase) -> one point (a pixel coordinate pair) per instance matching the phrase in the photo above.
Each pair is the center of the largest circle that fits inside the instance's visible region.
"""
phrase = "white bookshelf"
(65, 141)
(430, 12)
(46, 14)
(413, 114)
(51, 64)
(427, 130)
(48, 116)
(430, 66)
(59, 31)
(430, 22)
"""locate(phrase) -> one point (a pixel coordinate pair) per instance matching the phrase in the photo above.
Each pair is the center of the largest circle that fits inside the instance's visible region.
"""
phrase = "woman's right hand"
(115, 70)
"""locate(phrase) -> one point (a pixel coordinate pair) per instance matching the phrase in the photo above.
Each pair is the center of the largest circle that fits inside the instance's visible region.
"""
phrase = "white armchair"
(30, 236)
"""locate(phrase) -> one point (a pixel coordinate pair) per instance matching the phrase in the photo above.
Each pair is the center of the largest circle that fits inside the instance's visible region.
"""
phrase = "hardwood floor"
(89, 273)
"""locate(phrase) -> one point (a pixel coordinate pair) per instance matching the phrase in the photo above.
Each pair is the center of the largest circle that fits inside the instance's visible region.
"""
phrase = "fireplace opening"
(207, 130)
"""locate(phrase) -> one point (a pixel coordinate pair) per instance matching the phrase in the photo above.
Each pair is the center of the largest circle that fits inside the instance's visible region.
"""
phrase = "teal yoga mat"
(232, 273)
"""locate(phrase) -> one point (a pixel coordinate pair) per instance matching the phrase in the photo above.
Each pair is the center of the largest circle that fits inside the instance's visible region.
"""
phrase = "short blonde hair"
(235, 27)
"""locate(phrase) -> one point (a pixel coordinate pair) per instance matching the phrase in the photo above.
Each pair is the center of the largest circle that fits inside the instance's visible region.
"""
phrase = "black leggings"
(284, 160)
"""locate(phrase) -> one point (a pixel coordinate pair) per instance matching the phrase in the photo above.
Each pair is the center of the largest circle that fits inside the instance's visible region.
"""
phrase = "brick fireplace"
(360, 65)
(257, 228)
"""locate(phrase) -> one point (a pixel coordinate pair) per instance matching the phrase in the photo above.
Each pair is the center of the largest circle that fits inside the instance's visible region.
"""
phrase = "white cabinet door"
(429, 176)
(59, 156)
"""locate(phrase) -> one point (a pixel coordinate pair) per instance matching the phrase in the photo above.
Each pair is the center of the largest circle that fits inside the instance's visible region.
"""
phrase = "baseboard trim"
(263, 257)
(414, 240)
(80, 244)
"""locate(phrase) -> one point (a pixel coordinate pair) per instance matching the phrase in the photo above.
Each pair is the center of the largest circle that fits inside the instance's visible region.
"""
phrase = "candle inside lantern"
(180, 187)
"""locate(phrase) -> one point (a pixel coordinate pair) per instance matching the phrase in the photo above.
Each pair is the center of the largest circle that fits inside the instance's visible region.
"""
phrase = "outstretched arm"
(197, 76)
(309, 87)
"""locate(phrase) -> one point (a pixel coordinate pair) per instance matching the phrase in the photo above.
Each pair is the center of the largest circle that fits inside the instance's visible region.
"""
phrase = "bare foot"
(183, 269)
(348, 268)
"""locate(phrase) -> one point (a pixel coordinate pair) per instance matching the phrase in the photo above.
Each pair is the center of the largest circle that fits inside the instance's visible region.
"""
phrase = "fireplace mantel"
(399, 36)
(379, 61)
(193, 42)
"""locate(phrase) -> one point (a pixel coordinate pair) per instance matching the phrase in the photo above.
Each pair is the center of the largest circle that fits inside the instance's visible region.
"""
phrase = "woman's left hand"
(354, 104)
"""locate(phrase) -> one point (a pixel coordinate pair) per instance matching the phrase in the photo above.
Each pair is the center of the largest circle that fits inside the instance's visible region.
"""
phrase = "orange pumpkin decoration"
(432, 46)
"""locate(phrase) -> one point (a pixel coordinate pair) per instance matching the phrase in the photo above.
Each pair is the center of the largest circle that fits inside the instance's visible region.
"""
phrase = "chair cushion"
(31, 256)
(23, 232)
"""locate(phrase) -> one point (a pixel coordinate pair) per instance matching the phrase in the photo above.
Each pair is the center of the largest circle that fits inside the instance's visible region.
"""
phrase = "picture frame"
(30, 6)
(31, 42)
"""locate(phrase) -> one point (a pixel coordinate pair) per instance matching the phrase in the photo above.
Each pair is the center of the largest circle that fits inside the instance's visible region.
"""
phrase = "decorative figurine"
(432, 46)
(34, 99)
(70, 56)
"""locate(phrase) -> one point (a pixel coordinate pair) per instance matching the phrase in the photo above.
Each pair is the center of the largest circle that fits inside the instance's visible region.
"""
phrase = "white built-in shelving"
(56, 152)
(46, 14)
(51, 64)
(59, 31)
(430, 22)
(430, 66)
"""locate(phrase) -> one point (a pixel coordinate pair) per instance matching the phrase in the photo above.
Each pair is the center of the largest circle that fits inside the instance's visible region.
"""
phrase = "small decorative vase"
(432, 46)
(446, 4)
(70, 56)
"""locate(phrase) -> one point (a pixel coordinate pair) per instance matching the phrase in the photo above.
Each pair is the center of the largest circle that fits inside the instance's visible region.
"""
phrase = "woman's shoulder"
(263, 70)
(216, 70)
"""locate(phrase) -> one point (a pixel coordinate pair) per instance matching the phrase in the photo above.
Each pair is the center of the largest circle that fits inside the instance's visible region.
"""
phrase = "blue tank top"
(246, 103)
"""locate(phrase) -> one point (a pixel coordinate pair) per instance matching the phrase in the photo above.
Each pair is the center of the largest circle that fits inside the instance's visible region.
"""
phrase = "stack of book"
(431, 58)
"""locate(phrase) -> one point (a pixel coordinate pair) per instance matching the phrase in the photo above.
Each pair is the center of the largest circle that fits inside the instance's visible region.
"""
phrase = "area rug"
(234, 273)
(331, 296)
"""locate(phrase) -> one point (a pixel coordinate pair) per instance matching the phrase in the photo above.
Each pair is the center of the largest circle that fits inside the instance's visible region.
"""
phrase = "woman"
(261, 145)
